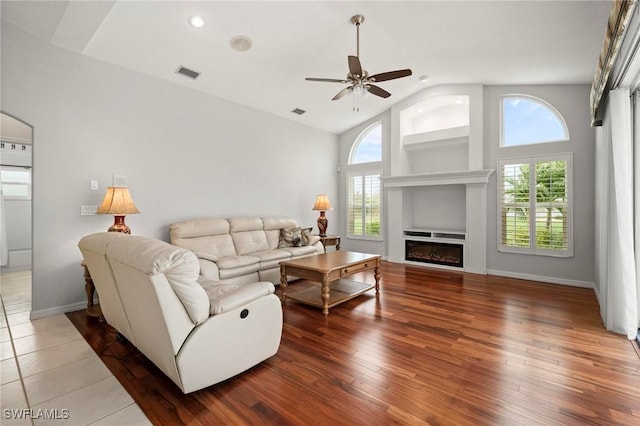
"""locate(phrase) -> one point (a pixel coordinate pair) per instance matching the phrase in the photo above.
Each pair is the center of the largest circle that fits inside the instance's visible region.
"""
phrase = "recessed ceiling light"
(196, 21)
(241, 43)
(423, 78)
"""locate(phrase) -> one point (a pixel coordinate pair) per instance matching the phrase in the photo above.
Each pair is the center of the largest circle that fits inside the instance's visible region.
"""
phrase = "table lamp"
(117, 201)
(322, 204)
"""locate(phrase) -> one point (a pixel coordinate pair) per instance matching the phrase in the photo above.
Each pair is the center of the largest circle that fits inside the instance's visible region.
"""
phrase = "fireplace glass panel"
(434, 252)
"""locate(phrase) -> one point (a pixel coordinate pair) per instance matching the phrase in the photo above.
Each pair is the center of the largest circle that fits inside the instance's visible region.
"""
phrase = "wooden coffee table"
(330, 269)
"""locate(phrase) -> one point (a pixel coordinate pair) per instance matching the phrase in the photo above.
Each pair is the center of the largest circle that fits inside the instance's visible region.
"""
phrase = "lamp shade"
(117, 201)
(322, 203)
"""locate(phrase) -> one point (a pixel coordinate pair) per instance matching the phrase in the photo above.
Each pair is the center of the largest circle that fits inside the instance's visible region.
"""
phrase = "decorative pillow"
(290, 237)
(306, 236)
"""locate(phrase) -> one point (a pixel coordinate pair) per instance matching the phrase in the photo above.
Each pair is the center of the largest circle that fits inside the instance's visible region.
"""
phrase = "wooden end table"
(93, 309)
(330, 240)
(330, 269)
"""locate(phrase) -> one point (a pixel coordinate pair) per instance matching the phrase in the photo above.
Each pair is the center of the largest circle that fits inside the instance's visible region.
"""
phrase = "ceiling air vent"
(298, 111)
(187, 72)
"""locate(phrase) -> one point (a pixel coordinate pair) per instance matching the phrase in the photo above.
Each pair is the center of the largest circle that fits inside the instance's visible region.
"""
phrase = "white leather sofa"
(197, 331)
(242, 249)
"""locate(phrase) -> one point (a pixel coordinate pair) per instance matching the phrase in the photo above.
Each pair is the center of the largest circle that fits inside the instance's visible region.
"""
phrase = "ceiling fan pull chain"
(358, 40)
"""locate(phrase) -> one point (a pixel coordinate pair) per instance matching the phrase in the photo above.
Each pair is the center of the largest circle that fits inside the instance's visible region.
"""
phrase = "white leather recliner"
(197, 331)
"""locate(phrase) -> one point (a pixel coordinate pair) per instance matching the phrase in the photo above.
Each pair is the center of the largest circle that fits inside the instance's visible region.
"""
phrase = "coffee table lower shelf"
(341, 291)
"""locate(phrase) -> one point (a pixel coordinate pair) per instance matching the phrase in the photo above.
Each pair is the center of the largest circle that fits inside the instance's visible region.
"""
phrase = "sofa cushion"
(212, 245)
(249, 241)
(268, 255)
(271, 223)
(198, 228)
(300, 251)
(234, 266)
(240, 224)
(271, 258)
(272, 227)
(226, 297)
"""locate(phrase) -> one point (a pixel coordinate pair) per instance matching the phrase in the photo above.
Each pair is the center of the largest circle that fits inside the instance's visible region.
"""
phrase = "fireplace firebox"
(438, 253)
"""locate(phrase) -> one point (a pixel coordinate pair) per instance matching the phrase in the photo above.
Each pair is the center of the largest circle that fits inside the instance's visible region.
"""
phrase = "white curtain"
(619, 289)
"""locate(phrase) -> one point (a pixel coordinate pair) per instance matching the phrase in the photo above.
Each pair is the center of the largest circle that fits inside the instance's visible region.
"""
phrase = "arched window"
(528, 120)
(364, 186)
(368, 146)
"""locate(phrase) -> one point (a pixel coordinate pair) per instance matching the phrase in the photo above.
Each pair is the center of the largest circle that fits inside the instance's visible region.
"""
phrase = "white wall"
(185, 155)
(572, 101)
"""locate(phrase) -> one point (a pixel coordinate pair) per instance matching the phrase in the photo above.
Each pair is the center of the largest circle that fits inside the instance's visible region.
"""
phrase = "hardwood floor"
(435, 347)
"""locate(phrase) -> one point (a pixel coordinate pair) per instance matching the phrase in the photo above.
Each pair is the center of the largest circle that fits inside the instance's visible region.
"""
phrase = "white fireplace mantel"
(476, 182)
(461, 177)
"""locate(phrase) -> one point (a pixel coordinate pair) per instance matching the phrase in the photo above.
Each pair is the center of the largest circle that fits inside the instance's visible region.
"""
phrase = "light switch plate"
(94, 185)
(88, 210)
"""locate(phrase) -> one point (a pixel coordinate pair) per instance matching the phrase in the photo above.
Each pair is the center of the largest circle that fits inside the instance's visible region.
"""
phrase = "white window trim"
(537, 100)
(532, 160)
(362, 171)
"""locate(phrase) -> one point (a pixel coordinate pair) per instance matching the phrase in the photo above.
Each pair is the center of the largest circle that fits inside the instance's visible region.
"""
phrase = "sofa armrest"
(209, 269)
(226, 297)
(314, 239)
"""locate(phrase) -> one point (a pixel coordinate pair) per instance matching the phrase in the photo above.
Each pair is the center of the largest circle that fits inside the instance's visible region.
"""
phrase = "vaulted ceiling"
(457, 42)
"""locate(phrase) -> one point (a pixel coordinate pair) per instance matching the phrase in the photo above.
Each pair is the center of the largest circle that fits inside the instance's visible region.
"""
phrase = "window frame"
(532, 161)
(540, 102)
(364, 170)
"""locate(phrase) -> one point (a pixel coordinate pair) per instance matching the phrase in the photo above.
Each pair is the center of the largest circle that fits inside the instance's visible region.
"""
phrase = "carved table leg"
(93, 310)
(325, 294)
(283, 283)
(377, 275)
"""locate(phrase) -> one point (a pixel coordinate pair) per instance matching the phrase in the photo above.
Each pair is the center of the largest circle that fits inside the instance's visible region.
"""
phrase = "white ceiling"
(501, 42)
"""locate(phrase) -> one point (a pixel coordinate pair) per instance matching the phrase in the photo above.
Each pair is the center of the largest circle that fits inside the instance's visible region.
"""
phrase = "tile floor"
(48, 373)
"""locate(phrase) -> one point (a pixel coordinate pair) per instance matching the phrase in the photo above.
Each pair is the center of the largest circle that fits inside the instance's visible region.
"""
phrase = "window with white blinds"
(364, 205)
(534, 201)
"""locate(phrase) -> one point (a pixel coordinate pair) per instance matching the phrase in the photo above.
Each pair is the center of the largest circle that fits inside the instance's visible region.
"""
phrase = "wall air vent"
(187, 72)
(298, 111)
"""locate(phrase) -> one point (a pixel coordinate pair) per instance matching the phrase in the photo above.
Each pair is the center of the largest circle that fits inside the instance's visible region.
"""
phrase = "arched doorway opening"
(16, 167)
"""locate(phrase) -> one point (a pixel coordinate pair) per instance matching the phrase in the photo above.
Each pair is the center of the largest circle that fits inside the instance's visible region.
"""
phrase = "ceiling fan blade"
(378, 91)
(391, 75)
(354, 66)
(342, 93)
(327, 80)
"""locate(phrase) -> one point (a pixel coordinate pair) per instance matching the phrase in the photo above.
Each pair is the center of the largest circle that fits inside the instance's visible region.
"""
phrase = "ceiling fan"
(359, 80)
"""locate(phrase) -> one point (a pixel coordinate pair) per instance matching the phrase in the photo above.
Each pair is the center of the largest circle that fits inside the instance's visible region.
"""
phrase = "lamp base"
(119, 225)
(322, 225)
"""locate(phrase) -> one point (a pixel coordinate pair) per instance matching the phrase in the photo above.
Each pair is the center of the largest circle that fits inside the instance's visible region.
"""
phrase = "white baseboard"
(57, 310)
(544, 279)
